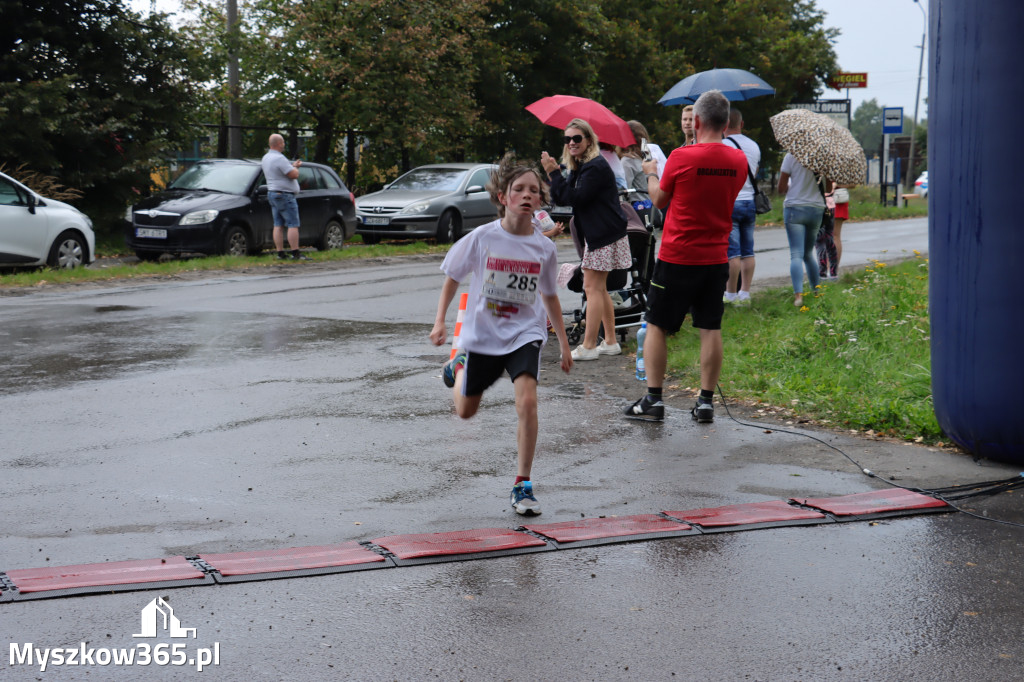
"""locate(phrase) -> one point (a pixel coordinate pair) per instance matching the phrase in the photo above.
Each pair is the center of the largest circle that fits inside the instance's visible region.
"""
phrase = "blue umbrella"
(735, 84)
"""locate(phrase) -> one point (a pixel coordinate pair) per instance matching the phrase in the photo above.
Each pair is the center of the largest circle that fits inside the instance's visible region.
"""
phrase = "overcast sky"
(879, 37)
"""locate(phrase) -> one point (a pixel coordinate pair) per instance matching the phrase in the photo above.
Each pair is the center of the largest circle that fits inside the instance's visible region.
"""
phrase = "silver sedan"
(440, 201)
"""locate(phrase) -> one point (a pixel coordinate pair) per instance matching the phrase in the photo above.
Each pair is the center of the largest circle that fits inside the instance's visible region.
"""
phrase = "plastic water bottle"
(641, 335)
(543, 219)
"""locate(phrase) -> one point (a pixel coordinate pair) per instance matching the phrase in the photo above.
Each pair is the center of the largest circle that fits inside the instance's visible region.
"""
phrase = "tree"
(400, 73)
(533, 49)
(89, 95)
(431, 81)
(920, 160)
(782, 41)
(627, 53)
(866, 126)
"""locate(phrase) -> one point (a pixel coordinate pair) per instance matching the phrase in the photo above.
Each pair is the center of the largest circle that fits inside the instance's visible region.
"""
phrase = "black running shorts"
(482, 370)
(680, 289)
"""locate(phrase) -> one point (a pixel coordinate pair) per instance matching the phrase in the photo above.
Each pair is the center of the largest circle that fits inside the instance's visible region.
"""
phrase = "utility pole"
(234, 109)
(913, 131)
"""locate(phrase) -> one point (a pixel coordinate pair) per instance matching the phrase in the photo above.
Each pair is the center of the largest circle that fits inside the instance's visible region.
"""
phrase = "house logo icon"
(158, 615)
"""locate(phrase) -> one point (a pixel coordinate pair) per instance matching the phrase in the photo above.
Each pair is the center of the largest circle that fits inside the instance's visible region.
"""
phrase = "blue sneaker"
(448, 371)
(523, 500)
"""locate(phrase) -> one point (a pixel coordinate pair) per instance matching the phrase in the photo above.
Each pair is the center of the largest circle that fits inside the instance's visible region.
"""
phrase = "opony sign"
(157, 619)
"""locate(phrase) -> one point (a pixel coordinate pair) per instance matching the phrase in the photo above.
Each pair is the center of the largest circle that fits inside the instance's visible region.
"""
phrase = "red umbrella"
(558, 110)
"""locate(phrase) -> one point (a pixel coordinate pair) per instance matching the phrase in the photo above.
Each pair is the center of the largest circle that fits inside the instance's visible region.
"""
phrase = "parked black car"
(220, 206)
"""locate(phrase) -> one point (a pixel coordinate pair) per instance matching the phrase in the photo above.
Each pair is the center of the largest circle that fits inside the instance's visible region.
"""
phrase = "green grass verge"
(856, 356)
(354, 251)
(865, 204)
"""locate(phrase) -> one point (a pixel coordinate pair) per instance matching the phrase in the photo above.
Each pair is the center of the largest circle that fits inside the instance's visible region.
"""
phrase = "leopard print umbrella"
(820, 145)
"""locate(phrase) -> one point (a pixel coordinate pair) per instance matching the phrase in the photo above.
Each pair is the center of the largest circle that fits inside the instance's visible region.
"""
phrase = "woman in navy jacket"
(591, 191)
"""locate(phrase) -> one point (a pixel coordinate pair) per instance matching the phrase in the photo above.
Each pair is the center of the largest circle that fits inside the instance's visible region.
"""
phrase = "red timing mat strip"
(874, 502)
(458, 542)
(179, 571)
(293, 559)
(590, 529)
(741, 514)
(112, 573)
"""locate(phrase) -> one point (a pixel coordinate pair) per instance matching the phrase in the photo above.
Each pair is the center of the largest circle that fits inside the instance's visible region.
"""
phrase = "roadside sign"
(848, 80)
(836, 109)
(892, 121)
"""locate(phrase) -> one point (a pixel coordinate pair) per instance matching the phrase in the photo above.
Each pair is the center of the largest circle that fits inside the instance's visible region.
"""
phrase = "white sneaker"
(523, 500)
(580, 353)
(606, 349)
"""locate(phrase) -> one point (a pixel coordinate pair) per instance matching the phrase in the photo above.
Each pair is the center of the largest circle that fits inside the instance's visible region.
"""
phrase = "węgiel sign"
(843, 79)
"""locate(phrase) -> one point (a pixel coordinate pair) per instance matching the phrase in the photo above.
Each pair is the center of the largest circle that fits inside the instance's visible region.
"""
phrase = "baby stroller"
(628, 288)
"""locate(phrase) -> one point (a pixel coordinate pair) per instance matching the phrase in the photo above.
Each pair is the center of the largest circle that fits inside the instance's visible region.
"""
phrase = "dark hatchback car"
(220, 206)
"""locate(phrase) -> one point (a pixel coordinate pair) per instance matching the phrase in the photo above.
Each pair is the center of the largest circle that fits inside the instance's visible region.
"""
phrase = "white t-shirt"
(658, 156)
(617, 170)
(275, 169)
(803, 187)
(504, 310)
(753, 152)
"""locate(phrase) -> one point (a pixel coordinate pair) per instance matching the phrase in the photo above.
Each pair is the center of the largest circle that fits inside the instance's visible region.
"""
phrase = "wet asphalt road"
(262, 412)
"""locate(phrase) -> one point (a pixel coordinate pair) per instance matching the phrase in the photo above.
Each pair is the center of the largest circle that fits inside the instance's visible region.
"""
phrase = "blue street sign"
(892, 121)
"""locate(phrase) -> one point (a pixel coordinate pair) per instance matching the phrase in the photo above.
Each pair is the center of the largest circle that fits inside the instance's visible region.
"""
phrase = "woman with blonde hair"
(591, 191)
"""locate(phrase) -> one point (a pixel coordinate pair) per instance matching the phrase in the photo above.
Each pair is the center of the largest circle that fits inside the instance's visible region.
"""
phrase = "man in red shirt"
(700, 182)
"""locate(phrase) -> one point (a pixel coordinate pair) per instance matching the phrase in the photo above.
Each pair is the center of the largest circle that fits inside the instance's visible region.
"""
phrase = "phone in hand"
(645, 151)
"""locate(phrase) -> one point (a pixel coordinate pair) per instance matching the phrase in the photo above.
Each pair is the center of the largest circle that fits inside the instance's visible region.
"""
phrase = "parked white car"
(921, 185)
(35, 230)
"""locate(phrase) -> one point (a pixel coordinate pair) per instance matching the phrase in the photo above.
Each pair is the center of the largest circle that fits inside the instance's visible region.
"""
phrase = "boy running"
(513, 286)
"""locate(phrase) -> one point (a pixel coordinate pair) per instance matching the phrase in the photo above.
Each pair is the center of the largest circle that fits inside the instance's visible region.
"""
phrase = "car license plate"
(376, 220)
(150, 233)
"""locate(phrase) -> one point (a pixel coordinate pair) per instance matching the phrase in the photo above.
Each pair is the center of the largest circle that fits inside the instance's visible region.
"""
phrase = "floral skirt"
(612, 257)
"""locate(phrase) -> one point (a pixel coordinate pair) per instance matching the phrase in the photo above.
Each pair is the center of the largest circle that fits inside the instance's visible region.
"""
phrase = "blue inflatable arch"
(976, 223)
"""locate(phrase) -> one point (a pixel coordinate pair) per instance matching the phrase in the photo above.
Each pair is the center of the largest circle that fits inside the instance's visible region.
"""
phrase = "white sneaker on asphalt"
(523, 501)
(609, 349)
(580, 353)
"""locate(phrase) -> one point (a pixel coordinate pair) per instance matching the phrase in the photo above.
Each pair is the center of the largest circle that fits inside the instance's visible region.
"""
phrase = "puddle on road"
(83, 343)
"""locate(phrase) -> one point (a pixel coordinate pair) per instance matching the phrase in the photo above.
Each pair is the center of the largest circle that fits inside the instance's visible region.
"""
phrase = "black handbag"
(762, 204)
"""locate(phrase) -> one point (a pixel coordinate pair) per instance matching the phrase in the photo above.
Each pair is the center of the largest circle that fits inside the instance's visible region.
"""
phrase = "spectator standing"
(744, 217)
(687, 124)
(802, 212)
(830, 244)
(591, 191)
(632, 164)
(700, 183)
(282, 186)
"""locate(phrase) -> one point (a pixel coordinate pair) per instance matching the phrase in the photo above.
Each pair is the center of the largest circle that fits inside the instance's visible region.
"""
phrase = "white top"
(617, 170)
(658, 156)
(753, 152)
(504, 310)
(275, 169)
(803, 187)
